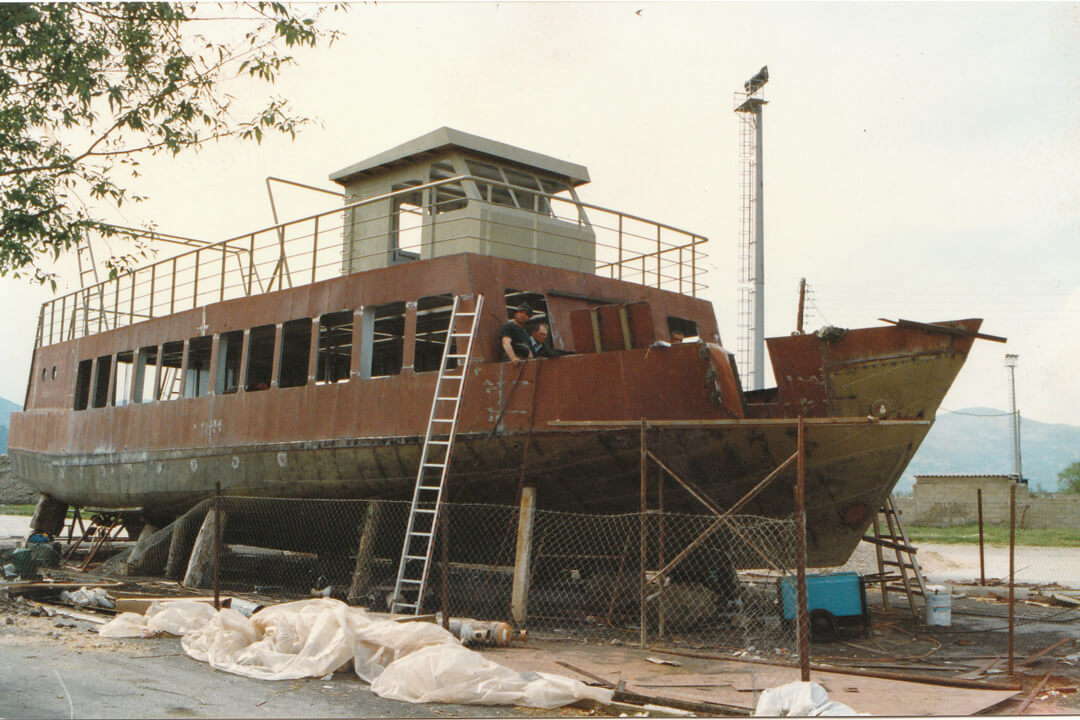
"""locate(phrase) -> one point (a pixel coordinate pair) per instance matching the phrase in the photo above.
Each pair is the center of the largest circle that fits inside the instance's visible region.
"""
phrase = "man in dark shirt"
(514, 338)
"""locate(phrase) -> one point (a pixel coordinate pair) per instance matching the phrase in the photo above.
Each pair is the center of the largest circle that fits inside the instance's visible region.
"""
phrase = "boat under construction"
(356, 353)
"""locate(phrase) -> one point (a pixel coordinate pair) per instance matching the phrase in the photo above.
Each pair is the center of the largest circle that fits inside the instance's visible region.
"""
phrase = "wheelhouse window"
(101, 380)
(388, 339)
(450, 196)
(295, 351)
(432, 325)
(498, 194)
(260, 362)
(230, 347)
(82, 384)
(407, 221)
(335, 347)
(197, 376)
(538, 303)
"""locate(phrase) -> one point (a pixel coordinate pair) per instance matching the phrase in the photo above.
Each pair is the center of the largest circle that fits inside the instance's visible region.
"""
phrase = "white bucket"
(938, 605)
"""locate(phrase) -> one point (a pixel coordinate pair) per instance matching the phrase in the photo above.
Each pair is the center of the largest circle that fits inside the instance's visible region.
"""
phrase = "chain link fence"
(707, 583)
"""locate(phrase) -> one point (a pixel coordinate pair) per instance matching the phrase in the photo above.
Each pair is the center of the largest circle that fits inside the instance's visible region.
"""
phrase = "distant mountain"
(6, 408)
(979, 441)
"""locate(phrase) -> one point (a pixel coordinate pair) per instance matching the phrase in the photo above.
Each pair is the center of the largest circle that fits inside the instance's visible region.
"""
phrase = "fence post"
(982, 564)
(444, 532)
(643, 530)
(217, 545)
(1012, 574)
(800, 545)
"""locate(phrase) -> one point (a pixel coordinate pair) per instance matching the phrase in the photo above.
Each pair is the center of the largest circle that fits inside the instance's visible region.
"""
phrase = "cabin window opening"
(498, 194)
(145, 369)
(260, 361)
(335, 347)
(53, 372)
(172, 360)
(538, 303)
(407, 221)
(82, 384)
(449, 196)
(432, 324)
(681, 329)
(101, 381)
(197, 378)
(388, 341)
(295, 351)
(525, 200)
(230, 348)
(125, 366)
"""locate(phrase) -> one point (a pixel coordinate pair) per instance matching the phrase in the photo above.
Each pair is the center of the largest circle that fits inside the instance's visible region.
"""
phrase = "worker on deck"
(514, 338)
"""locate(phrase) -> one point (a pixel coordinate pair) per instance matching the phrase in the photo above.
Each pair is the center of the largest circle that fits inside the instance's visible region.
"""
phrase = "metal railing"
(318, 247)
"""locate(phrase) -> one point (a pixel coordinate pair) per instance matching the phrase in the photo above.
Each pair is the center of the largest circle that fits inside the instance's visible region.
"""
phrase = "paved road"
(68, 672)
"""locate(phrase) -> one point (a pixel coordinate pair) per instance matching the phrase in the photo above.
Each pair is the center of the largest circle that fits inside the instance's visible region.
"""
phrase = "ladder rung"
(431, 487)
(424, 510)
(446, 398)
(416, 557)
(442, 420)
(438, 442)
(422, 534)
(466, 314)
(454, 356)
(411, 582)
(460, 334)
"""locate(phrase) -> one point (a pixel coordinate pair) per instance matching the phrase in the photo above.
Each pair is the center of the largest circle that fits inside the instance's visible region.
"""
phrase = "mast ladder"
(88, 277)
(889, 535)
(412, 574)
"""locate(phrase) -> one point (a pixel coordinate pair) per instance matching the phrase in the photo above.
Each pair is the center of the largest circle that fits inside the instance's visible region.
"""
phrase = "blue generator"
(832, 601)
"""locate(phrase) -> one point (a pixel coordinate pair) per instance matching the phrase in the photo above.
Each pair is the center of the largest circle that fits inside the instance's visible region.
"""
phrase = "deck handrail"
(662, 263)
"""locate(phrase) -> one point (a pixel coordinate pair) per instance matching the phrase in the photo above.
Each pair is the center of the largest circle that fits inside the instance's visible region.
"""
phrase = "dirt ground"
(57, 666)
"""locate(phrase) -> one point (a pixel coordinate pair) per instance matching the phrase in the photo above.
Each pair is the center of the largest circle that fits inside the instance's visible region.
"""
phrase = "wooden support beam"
(365, 551)
(519, 596)
(200, 569)
(151, 551)
(184, 530)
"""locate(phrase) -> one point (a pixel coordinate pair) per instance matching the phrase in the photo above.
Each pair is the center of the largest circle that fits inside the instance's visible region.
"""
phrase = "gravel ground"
(957, 563)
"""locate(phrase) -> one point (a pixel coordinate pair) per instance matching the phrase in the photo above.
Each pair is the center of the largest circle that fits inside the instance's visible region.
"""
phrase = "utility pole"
(1010, 362)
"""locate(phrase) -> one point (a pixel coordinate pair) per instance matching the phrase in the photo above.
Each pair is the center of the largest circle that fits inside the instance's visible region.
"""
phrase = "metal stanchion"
(800, 542)
(982, 564)
(644, 529)
(217, 545)
(1012, 574)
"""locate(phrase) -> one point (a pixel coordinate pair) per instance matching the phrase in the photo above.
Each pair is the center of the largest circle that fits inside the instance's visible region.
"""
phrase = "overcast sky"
(921, 160)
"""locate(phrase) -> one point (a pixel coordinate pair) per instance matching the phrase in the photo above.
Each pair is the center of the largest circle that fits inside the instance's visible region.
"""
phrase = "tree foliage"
(87, 89)
(1069, 479)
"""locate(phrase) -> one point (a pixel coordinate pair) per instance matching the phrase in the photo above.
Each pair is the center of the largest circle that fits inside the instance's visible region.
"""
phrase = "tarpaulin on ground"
(415, 662)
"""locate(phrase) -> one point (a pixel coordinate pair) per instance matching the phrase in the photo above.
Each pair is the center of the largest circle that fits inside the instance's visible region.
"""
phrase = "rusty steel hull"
(362, 438)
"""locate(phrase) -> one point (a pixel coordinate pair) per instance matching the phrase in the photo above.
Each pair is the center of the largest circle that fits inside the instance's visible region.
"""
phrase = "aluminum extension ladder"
(416, 550)
(894, 538)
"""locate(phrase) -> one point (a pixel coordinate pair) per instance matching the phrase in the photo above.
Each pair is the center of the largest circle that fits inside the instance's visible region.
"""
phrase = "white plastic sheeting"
(415, 662)
(799, 699)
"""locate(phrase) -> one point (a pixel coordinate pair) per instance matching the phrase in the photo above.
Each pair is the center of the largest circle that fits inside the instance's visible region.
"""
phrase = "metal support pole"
(800, 542)
(643, 530)
(660, 545)
(444, 532)
(982, 564)
(217, 545)
(1012, 575)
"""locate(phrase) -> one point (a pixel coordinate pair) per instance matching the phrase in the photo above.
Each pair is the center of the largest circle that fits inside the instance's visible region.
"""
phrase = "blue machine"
(831, 600)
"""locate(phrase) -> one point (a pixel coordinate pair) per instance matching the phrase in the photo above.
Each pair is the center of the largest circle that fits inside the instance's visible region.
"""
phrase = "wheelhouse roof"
(444, 138)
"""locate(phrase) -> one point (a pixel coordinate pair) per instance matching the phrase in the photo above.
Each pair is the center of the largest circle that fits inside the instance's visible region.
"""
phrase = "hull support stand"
(520, 593)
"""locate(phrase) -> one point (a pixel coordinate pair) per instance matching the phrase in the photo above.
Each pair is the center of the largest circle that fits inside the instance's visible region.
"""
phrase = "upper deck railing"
(312, 248)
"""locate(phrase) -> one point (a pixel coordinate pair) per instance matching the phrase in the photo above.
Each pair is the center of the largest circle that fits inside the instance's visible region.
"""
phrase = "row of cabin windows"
(184, 369)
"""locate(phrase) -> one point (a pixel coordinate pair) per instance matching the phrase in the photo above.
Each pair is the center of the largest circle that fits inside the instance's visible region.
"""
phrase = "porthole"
(53, 372)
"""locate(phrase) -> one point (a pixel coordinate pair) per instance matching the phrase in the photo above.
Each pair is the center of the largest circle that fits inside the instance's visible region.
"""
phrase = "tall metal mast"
(751, 349)
(1010, 362)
